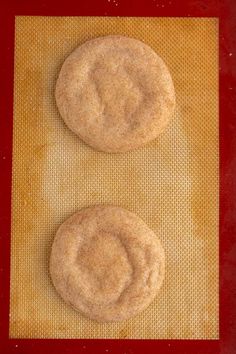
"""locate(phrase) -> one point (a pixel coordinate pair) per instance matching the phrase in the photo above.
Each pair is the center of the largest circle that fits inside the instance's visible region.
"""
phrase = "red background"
(225, 10)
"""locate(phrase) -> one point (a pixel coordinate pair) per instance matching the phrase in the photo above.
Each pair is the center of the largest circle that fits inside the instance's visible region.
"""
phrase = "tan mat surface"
(172, 183)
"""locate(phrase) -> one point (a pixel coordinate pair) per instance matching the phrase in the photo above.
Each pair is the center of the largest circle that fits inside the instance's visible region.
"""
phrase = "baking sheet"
(172, 183)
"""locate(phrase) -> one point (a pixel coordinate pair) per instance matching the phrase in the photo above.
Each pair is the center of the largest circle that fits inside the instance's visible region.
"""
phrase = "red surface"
(226, 11)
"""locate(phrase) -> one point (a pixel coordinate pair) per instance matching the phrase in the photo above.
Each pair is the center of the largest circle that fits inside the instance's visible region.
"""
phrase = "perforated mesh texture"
(171, 183)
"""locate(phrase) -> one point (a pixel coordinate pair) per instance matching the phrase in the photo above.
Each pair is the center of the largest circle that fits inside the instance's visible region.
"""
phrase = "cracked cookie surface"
(106, 263)
(115, 93)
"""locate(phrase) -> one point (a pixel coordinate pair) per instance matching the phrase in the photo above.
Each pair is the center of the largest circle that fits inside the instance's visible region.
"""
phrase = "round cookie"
(115, 93)
(106, 263)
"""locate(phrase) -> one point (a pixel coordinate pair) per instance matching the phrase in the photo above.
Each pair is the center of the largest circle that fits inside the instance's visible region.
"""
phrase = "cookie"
(115, 93)
(106, 263)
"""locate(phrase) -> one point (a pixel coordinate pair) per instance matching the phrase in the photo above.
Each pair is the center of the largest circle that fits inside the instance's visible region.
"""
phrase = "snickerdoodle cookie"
(115, 93)
(106, 263)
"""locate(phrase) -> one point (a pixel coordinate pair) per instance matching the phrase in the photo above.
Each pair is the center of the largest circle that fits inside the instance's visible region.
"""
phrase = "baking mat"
(172, 183)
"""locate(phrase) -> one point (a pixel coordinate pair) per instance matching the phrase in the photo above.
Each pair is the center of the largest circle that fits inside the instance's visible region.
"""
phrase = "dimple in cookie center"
(104, 268)
(118, 93)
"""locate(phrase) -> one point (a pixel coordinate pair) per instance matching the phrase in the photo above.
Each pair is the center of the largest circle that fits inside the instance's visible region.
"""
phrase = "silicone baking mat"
(172, 183)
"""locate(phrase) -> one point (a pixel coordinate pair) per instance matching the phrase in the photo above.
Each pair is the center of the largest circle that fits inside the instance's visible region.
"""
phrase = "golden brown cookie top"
(107, 263)
(115, 93)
